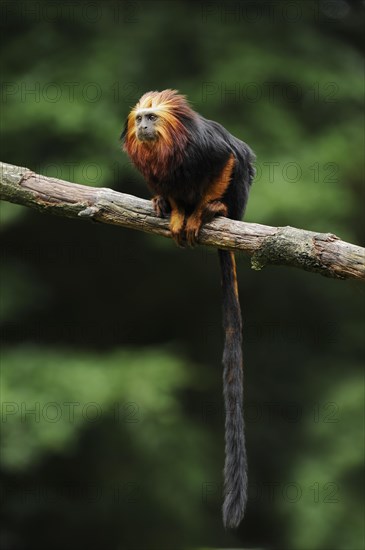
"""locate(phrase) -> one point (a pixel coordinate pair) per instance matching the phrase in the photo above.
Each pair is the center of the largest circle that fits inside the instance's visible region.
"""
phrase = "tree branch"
(323, 253)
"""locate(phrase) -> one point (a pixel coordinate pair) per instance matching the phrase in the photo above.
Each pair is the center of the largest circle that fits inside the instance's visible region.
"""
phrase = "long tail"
(235, 468)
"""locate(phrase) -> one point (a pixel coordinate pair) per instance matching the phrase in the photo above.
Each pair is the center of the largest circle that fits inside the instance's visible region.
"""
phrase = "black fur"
(206, 154)
(235, 468)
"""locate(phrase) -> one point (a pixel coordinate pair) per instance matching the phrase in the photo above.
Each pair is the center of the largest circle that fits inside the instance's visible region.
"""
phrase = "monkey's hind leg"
(211, 203)
(203, 214)
(213, 209)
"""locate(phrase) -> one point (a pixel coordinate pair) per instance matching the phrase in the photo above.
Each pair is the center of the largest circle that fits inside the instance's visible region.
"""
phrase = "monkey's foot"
(192, 229)
(204, 215)
(161, 206)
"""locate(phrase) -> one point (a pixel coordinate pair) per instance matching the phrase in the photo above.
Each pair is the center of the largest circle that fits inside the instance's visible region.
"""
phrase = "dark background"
(112, 427)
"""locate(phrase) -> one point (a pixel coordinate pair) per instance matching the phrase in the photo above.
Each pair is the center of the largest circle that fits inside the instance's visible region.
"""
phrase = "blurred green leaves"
(49, 395)
(330, 470)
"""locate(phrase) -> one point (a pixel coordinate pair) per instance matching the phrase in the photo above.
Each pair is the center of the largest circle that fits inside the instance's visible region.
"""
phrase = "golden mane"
(154, 158)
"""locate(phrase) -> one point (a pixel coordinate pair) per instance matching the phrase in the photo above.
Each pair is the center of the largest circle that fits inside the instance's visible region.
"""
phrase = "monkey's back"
(206, 154)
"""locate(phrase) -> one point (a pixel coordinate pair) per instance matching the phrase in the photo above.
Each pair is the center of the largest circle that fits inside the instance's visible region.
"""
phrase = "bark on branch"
(323, 253)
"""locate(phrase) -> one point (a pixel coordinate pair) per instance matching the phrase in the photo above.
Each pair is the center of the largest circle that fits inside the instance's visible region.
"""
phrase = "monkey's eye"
(152, 117)
(138, 118)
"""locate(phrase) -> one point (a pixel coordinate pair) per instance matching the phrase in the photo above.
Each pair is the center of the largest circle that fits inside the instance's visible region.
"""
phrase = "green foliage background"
(112, 421)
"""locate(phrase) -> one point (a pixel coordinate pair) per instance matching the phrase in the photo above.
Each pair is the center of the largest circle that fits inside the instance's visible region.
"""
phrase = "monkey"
(196, 170)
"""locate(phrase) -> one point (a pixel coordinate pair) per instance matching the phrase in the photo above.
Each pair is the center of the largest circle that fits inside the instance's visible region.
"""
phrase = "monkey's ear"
(124, 133)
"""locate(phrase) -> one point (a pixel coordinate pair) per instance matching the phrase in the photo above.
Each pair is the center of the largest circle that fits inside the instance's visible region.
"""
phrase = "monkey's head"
(157, 128)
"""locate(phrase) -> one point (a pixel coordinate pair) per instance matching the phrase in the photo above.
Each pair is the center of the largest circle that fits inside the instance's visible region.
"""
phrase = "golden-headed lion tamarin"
(197, 170)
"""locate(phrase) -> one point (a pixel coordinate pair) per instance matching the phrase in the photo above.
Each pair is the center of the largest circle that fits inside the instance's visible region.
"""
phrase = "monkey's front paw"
(161, 206)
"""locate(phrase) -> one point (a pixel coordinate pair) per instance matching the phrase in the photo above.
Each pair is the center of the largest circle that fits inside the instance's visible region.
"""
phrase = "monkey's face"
(146, 125)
